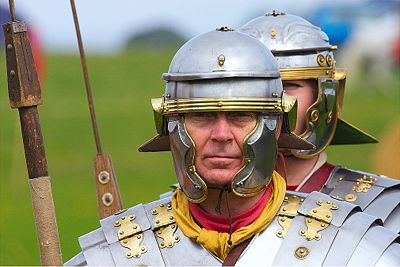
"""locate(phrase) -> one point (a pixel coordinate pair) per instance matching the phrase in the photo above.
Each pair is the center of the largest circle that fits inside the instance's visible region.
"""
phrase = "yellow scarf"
(215, 242)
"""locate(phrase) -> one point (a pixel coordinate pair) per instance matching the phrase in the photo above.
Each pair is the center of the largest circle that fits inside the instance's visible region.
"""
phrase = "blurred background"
(129, 45)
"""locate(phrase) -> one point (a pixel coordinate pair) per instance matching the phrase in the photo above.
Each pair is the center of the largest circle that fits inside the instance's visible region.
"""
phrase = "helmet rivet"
(329, 117)
(329, 60)
(314, 115)
(273, 33)
(321, 60)
(221, 60)
(220, 104)
(274, 94)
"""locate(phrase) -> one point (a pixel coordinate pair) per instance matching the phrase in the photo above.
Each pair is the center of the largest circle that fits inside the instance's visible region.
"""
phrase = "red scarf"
(221, 223)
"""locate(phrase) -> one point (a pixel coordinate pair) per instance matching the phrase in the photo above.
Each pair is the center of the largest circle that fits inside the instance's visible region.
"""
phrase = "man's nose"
(221, 130)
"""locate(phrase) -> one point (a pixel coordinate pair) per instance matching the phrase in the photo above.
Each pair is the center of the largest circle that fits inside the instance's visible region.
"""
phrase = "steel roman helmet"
(303, 51)
(224, 70)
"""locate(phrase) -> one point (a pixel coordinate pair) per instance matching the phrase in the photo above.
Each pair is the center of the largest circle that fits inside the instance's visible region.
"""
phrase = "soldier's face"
(305, 92)
(218, 139)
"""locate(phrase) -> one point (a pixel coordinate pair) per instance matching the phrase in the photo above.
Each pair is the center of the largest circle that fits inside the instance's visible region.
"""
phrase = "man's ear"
(279, 127)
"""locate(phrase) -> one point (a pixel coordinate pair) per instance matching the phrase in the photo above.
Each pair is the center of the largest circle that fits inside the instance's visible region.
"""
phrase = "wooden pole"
(25, 95)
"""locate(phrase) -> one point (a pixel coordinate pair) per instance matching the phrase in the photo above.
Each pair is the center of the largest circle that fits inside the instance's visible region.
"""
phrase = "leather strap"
(235, 253)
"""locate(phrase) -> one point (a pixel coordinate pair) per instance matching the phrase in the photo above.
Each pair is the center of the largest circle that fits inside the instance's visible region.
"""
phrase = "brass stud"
(221, 60)
(323, 225)
(286, 198)
(283, 209)
(143, 249)
(301, 253)
(220, 104)
(162, 244)
(329, 117)
(329, 60)
(154, 212)
(125, 241)
(170, 244)
(314, 115)
(309, 220)
(116, 224)
(137, 255)
(302, 232)
(328, 216)
(335, 207)
(123, 218)
(317, 236)
(157, 221)
(159, 232)
(350, 197)
(282, 219)
(176, 237)
(171, 217)
(135, 226)
(273, 33)
(314, 210)
(172, 226)
(169, 206)
(128, 254)
(274, 94)
(139, 237)
(121, 232)
(328, 202)
(321, 60)
(161, 205)
(103, 177)
(319, 202)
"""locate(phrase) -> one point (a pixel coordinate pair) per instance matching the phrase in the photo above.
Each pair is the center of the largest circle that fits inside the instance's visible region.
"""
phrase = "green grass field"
(122, 88)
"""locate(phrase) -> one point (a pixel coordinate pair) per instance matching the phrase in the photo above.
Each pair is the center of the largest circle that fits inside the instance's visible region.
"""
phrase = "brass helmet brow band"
(170, 107)
(312, 73)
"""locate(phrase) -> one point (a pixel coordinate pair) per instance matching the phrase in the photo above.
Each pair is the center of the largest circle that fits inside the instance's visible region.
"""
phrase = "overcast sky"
(105, 25)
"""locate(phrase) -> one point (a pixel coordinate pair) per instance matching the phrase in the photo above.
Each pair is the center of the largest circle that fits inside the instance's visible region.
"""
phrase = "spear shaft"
(108, 197)
(25, 95)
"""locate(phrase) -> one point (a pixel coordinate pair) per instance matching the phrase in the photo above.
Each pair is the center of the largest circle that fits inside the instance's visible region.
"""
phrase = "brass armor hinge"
(317, 219)
(287, 213)
(130, 235)
(164, 225)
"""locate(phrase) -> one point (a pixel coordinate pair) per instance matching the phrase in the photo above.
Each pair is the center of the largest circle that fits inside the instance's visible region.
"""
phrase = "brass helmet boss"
(224, 70)
(303, 51)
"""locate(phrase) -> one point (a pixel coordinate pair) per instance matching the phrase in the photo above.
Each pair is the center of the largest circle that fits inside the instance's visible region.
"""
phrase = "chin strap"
(282, 162)
(223, 189)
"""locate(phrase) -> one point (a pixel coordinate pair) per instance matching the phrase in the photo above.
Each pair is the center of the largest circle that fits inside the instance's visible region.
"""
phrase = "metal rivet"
(128, 254)
(301, 253)
(286, 198)
(176, 237)
(162, 244)
(302, 232)
(132, 217)
(103, 177)
(169, 206)
(161, 205)
(323, 225)
(328, 202)
(167, 95)
(121, 232)
(314, 210)
(135, 226)
(274, 94)
(321, 60)
(309, 220)
(137, 255)
(9, 47)
(139, 237)
(282, 219)
(171, 217)
(154, 212)
(328, 216)
(221, 60)
(283, 209)
(123, 218)
(157, 221)
(116, 223)
(172, 226)
(159, 232)
(125, 241)
(319, 202)
(329, 60)
(12, 73)
(143, 248)
(329, 117)
(314, 115)
(273, 33)
(220, 104)
(107, 199)
(350, 197)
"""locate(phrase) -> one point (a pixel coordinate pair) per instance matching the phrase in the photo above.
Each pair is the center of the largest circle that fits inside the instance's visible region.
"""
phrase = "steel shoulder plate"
(142, 235)
(376, 195)
(313, 230)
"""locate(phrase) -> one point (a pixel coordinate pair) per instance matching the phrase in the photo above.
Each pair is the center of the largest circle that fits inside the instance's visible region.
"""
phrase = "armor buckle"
(164, 225)
(287, 213)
